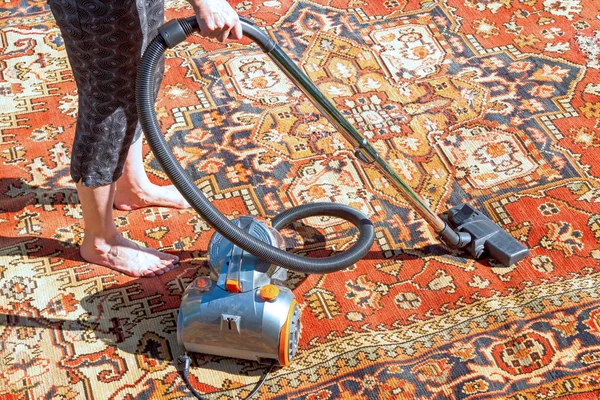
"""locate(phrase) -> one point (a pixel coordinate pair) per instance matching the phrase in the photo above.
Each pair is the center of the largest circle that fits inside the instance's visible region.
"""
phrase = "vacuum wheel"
(290, 335)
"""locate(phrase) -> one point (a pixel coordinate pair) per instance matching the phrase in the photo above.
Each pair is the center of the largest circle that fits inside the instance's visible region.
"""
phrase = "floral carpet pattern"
(493, 102)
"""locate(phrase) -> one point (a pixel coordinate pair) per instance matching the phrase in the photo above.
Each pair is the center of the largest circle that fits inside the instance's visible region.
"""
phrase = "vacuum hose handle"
(177, 30)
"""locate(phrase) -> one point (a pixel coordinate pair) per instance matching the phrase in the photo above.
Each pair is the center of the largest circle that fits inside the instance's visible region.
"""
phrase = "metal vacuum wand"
(466, 227)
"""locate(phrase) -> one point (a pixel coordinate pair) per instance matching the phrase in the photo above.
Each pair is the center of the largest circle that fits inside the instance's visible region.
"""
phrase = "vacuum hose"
(148, 120)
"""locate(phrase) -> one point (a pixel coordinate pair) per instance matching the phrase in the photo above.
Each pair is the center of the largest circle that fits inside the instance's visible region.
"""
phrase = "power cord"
(187, 361)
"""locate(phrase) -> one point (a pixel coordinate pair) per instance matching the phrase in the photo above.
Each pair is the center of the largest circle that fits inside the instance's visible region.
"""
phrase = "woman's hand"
(217, 19)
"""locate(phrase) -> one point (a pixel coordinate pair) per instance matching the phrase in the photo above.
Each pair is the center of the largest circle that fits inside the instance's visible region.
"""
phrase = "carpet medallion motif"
(492, 102)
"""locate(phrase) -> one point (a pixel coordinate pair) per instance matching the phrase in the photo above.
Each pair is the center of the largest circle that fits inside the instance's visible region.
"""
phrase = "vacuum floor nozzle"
(486, 237)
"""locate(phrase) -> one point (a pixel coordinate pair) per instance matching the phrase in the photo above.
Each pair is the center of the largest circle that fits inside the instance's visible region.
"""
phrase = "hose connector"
(175, 31)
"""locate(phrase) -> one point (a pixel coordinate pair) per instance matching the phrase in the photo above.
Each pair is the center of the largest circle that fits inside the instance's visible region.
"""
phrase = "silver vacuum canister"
(242, 310)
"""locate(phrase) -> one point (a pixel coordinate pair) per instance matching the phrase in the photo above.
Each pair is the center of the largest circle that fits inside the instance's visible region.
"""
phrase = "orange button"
(203, 284)
(232, 285)
(269, 292)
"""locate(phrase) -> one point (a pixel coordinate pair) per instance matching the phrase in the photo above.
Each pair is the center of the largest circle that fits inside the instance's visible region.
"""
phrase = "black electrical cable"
(187, 361)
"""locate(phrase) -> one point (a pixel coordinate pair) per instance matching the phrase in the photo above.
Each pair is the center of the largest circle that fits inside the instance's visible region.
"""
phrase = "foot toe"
(163, 262)
(160, 271)
(168, 268)
(171, 258)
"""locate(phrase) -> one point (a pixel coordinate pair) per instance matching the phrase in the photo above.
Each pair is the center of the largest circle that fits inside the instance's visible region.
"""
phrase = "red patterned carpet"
(494, 102)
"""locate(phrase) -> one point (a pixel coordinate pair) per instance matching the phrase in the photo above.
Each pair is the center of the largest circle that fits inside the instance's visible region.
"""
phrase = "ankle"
(135, 186)
(100, 241)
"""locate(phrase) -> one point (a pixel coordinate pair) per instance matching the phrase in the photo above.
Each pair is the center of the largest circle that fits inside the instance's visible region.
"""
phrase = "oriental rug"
(495, 103)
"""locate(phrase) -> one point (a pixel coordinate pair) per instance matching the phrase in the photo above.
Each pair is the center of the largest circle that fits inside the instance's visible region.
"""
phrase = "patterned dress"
(105, 41)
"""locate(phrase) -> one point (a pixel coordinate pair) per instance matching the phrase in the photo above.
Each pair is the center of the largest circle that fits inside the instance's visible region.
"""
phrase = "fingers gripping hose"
(158, 145)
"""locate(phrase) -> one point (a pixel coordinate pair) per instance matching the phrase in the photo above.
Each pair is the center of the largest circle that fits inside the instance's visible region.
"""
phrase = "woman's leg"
(104, 41)
(134, 189)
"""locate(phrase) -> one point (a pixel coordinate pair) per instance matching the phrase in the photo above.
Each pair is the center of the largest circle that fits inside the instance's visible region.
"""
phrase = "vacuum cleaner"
(243, 309)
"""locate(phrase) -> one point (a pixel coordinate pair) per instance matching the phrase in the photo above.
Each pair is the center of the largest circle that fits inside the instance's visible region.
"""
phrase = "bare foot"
(127, 257)
(150, 195)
